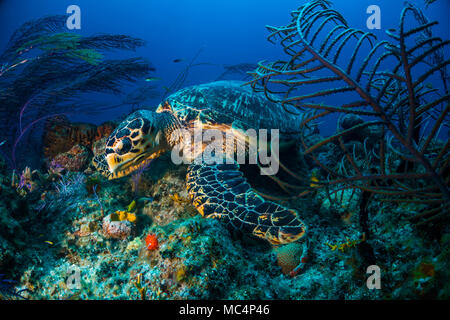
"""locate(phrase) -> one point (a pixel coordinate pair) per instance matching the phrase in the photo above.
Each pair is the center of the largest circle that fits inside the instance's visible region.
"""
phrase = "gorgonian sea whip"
(383, 81)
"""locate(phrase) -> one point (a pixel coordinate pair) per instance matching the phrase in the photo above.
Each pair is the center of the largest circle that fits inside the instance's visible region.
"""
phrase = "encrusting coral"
(116, 228)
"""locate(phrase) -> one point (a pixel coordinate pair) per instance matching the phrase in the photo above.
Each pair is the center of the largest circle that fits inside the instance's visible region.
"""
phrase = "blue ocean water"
(227, 32)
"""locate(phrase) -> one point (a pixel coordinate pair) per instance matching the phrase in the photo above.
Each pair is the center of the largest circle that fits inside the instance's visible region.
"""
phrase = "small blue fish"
(145, 199)
(152, 79)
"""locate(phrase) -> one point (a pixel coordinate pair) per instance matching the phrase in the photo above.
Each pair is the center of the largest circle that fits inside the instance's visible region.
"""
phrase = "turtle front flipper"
(221, 191)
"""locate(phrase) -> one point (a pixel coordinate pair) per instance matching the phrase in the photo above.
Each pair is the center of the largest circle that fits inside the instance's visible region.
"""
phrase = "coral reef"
(289, 256)
(151, 242)
(68, 233)
(116, 229)
(76, 159)
(200, 258)
(60, 135)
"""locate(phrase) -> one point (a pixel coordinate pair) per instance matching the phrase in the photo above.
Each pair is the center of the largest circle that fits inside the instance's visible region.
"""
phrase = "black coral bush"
(398, 85)
(45, 69)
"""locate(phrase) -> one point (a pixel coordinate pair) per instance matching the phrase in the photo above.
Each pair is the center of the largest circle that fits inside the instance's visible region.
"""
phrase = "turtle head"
(140, 138)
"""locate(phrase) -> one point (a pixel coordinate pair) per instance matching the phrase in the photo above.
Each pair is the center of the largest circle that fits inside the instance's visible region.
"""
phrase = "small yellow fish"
(49, 242)
(313, 182)
(132, 206)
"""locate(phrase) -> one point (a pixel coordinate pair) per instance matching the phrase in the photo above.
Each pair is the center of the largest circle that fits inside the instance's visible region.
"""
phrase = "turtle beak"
(137, 158)
(121, 166)
(118, 163)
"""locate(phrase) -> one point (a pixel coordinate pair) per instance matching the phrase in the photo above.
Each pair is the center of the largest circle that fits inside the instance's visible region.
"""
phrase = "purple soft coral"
(24, 182)
(136, 177)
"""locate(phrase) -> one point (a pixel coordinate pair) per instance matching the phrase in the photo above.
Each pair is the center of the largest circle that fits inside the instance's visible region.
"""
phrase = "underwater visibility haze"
(277, 150)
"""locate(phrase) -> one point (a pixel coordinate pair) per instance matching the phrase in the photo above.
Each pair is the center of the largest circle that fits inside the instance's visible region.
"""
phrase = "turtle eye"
(124, 146)
(166, 106)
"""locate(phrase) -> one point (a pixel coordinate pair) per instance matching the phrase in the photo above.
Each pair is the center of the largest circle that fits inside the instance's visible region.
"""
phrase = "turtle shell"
(228, 103)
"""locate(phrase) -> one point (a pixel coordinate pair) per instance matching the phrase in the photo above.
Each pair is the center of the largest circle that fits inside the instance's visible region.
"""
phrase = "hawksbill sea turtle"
(217, 190)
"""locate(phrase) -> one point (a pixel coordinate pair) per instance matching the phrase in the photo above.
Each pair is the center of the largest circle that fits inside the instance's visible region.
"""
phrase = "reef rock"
(116, 229)
(76, 159)
(99, 146)
(289, 256)
(60, 135)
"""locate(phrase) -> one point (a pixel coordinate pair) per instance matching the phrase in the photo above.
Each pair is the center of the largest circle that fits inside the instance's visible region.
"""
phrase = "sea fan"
(44, 69)
(382, 81)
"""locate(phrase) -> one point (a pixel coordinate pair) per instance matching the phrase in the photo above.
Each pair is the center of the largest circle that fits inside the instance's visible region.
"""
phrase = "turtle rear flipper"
(221, 191)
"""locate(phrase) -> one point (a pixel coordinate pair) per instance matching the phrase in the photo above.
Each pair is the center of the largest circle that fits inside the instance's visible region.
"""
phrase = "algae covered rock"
(116, 229)
(76, 159)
